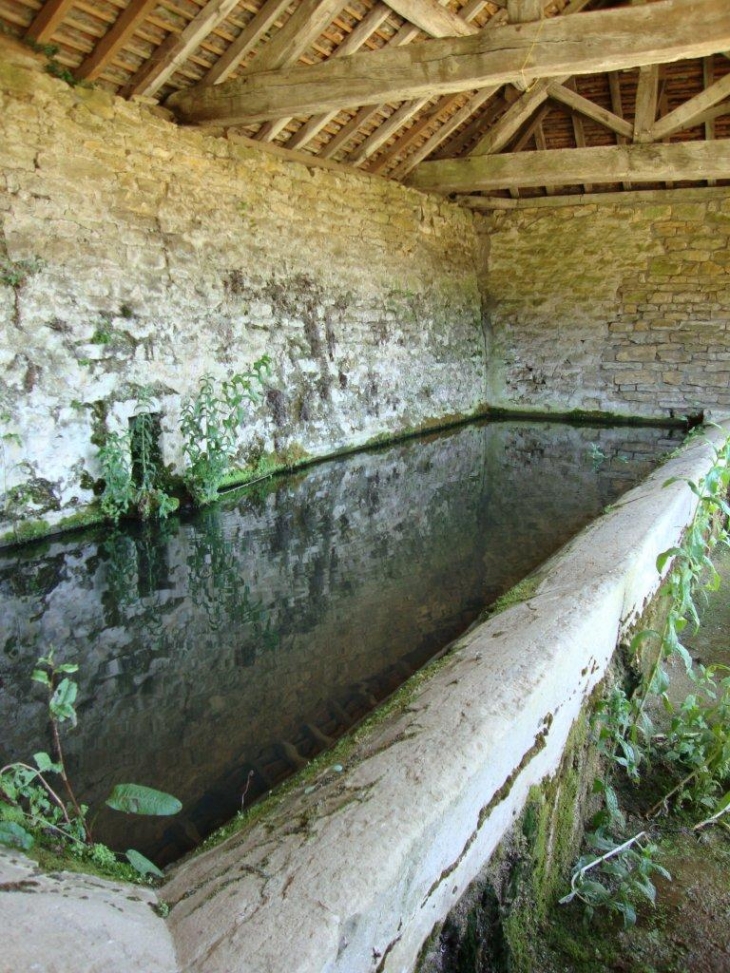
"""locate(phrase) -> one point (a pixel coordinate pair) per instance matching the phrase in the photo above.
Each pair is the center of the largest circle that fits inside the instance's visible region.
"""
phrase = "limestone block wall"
(137, 255)
(615, 306)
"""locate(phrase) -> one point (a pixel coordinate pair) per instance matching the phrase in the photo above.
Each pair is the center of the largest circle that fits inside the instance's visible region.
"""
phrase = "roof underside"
(155, 48)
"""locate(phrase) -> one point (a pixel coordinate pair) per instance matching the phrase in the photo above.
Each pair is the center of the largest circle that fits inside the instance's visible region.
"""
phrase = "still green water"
(231, 646)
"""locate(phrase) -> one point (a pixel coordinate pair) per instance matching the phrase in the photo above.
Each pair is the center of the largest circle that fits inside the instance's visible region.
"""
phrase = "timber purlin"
(411, 89)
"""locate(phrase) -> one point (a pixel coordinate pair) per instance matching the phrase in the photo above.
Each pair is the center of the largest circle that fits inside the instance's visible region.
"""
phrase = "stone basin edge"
(351, 873)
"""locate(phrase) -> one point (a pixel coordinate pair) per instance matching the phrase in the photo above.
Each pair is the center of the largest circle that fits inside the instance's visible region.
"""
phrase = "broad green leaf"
(666, 556)
(12, 835)
(41, 676)
(11, 812)
(628, 912)
(723, 803)
(44, 763)
(62, 701)
(138, 799)
(143, 865)
(67, 667)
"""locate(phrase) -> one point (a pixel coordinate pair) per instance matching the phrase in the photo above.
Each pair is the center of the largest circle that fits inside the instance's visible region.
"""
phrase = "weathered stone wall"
(136, 254)
(612, 306)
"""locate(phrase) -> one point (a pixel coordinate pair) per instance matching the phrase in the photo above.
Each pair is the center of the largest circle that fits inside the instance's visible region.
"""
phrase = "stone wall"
(612, 306)
(135, 254)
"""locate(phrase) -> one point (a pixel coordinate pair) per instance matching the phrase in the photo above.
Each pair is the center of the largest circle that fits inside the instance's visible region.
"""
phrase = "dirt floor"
(689, 930)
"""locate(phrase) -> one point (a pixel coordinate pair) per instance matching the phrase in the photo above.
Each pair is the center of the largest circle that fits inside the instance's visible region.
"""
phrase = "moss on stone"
(28, 530)
(522, 591)
(550, 829)
(66, 861)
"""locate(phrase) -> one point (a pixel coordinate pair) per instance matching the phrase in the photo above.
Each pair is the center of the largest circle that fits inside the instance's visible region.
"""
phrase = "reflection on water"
(241, 641)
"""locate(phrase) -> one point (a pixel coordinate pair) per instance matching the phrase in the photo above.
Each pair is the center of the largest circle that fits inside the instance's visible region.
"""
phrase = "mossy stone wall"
(615, 306)
(137, 254)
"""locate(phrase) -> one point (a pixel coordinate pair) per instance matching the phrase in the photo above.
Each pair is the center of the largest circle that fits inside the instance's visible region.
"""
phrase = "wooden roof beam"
(177, 48)
(352, 43)
(411, 108)
(618, 38)
(115, 38)
(690, 113)
(647, 99)
(590, 109)
(249, 37)
(443, 132)
(637, 162)
(501, 134)
(432, 18)
(47, 20)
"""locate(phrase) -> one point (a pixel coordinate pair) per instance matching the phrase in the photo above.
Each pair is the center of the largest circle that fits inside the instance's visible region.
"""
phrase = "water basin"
(221, 651)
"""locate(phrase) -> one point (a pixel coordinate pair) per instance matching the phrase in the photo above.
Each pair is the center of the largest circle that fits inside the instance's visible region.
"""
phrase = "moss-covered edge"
(499, 921)
(294, 457)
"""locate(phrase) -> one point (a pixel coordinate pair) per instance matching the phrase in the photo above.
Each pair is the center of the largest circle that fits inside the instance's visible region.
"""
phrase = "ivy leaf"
(137, 799)
(141, 864)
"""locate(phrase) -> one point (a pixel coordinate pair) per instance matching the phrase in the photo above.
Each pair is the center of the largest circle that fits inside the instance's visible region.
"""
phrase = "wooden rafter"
(495, 107)
(352, 43)
(607, 40)
(407, 111)
(688, 114)
(367, 26)
(541, 144)
(115, 38)
(473, 105)
(647, 98)
(432, 18)
(567, 96)
(524, 11)
(249, 37)
(440, 135)
(514, 118)
(578, 128)
(177, 48)
(638, 162)
(405, 35)
(49, 17)
(298, 33)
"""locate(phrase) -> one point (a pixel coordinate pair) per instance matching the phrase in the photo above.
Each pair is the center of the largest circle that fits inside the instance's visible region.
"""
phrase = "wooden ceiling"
(481, 99)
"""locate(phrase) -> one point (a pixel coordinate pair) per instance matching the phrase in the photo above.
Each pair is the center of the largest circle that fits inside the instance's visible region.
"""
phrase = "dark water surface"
(248, 637)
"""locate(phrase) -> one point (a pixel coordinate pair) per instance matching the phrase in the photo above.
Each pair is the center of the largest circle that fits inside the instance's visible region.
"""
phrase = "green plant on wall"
(35, 810)
(132, 468)
(210, 421)
(15, 273)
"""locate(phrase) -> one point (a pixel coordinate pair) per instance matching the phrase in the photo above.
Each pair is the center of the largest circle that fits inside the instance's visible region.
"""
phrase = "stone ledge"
(64, 922)
(352, 872)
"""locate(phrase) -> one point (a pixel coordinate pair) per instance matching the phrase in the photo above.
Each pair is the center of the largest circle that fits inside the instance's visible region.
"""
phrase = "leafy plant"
(131, 470)
(622, 876)
(33, 810)
(15, 273)
(695, 748)
(209, 423)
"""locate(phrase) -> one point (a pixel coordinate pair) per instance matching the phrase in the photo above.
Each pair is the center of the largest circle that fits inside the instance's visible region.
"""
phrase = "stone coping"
(351, 872)
(352, 869)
